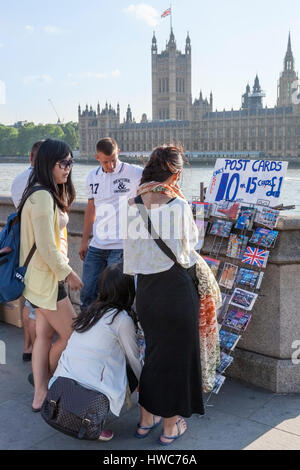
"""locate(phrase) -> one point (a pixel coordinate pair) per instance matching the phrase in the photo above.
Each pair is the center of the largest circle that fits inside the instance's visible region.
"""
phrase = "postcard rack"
(239, 238)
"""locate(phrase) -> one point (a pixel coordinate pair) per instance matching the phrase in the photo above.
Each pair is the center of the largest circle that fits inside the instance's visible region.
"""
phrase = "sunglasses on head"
(63, 164)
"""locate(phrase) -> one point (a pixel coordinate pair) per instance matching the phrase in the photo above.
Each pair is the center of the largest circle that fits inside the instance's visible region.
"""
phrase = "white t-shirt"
(111, 192)
(19, 184)
(97, 358)
(174, 223)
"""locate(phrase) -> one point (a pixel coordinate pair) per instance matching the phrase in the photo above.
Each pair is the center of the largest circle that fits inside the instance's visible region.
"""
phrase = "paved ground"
(240, 417)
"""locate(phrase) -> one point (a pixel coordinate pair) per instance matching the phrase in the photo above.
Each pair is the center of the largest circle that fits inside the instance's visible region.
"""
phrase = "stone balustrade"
(264, 355)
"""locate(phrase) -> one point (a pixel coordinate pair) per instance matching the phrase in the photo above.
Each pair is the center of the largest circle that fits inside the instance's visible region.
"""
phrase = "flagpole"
(171, 16)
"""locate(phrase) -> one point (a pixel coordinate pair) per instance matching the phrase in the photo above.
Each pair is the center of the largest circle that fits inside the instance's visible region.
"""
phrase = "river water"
(192, 176)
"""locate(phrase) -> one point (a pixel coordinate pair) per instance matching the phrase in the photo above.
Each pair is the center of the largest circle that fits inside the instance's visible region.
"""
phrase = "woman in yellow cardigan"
(43, 223)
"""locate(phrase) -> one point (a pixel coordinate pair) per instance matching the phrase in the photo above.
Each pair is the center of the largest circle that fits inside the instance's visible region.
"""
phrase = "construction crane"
(58, 119)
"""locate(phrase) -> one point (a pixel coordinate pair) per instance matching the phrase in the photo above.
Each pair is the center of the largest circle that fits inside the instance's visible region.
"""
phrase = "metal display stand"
(216, 249)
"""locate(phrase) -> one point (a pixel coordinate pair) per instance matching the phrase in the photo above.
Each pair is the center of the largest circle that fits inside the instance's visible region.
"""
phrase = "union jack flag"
(255, 257)
(166, 13)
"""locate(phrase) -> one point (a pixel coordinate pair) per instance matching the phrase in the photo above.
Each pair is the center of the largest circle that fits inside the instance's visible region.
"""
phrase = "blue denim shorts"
(61, 294)
(31, 310)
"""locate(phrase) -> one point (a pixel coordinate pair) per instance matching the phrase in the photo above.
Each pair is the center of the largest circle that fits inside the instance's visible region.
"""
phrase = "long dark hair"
(116, 291)
(49, 153)
(164, 162)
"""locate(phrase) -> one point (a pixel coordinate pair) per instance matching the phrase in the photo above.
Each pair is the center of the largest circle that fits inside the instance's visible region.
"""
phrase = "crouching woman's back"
(95, 357)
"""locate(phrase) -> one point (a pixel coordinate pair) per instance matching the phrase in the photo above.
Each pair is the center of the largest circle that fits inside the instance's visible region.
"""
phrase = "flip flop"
(146, 428)
(173, 438)
(36, 410)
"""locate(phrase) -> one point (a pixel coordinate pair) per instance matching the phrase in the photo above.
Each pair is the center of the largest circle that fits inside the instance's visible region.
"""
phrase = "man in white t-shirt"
(17, 189)
(20, 182)
(108, 188)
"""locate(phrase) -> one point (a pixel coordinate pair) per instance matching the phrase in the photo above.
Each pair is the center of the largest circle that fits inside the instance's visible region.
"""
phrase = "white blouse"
(174, 223)
(96, 358)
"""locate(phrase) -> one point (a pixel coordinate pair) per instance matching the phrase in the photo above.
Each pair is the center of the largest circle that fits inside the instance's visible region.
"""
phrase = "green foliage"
(19, 140)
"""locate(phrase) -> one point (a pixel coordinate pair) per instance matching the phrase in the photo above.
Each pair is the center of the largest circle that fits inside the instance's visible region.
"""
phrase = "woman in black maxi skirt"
(167, 307)
(167, 301)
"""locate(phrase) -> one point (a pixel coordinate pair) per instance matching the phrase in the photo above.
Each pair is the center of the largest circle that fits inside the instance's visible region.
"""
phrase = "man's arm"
(89, 219)
(16, 192)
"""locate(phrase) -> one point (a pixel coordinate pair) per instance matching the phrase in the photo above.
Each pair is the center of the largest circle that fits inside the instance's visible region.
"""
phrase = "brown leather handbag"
(75, 410)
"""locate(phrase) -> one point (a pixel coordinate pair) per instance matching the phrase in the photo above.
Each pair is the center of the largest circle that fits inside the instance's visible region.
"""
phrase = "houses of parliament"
(176, 118)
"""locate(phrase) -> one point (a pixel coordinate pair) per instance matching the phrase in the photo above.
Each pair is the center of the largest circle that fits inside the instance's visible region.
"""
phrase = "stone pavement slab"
(215, 431)
(231, 400)
(281, 412)
(275, 440)
(20, 427)
(239, 417)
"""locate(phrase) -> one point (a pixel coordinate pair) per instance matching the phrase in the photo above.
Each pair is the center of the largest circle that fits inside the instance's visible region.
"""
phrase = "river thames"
(190, 184)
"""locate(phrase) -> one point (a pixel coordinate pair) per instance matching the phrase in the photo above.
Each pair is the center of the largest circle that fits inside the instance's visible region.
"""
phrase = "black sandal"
(27, 357)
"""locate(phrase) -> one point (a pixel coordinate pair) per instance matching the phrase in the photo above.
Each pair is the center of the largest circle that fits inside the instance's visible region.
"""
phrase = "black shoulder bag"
(75, 410)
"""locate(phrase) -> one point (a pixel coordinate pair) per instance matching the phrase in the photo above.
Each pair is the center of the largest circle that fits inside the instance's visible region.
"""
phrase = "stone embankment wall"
(268, 355)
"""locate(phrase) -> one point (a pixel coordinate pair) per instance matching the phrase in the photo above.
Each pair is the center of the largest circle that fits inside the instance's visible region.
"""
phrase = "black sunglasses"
(63, 164)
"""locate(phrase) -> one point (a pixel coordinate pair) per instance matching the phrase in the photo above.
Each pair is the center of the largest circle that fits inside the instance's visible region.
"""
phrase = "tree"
(71, 135)
(8, 140)
(19, 141)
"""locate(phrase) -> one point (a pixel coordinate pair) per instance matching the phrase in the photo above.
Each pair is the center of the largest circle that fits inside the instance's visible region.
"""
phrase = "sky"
(72, 52)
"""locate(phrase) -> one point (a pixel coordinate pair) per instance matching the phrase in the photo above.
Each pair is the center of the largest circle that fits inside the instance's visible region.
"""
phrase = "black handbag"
(75, 410)
(162, 245)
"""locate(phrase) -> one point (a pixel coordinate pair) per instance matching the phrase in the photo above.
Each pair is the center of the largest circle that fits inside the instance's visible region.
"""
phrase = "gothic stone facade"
(253, 128)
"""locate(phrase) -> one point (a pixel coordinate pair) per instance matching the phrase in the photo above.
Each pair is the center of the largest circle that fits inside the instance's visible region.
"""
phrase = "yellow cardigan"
(40, 225)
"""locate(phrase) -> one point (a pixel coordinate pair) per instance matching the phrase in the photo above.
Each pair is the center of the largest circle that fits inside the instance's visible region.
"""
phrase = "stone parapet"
(264, 354)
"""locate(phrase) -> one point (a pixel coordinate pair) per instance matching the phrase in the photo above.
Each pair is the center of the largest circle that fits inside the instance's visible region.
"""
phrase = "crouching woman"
(91, 377)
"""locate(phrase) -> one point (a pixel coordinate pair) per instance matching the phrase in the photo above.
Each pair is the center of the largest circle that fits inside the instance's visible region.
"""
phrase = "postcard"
(220, 379)
(264, 237)
(228, 275)
(226, 209)
(249, 278)
(243, 299)
(237, 319)
(267, 217)
(236, 245)
(201, 209)
(225, 362)
(228, 340)
(245, 218)
(213, 264)
(221, 228)
(255, 257)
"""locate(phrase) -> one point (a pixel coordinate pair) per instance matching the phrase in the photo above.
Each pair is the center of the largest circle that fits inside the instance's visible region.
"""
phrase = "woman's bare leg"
(31, 328)
(46, 354)
(61, 322)
(40, 358)
(26, 330)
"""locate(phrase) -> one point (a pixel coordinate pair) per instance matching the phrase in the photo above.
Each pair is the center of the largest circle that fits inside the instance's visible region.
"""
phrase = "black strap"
(33, 190)
(30, 255)
(148, 224)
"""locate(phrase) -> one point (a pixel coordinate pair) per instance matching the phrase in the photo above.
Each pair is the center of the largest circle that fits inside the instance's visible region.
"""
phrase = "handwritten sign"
(251, 181)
